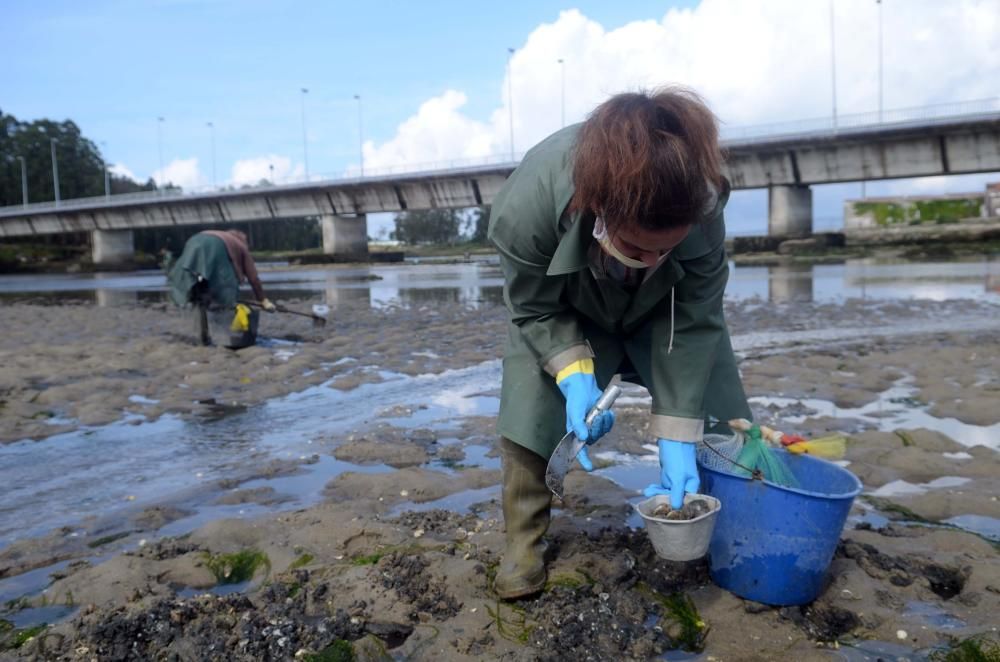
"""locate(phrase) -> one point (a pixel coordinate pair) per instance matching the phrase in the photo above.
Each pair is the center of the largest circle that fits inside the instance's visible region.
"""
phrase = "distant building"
(993, 200)
(899, 211)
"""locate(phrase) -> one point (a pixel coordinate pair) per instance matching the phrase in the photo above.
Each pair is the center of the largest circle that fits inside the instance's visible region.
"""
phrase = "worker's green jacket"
(204, 257)
(670, 331)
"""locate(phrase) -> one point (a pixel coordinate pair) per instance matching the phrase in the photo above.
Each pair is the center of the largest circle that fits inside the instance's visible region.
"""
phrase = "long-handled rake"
(318, 320)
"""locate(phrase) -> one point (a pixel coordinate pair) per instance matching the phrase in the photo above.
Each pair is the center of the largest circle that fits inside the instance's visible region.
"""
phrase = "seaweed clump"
(237, 567)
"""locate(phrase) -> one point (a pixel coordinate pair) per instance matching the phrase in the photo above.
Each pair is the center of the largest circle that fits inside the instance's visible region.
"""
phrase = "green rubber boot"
(526, 512)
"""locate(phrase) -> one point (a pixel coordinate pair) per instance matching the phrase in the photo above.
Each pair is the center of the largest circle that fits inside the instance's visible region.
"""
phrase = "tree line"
(81, 169)
(442, 226)
(80, 162)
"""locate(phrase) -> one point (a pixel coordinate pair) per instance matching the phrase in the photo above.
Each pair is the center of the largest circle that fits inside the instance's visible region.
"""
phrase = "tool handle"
(281, 309)
(770, 435)
(604, 403)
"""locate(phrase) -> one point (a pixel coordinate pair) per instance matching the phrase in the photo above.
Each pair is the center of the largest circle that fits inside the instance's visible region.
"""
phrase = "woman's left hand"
(678, 471)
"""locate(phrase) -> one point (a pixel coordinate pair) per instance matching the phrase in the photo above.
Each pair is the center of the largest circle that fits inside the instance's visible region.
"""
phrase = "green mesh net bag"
(746, 455)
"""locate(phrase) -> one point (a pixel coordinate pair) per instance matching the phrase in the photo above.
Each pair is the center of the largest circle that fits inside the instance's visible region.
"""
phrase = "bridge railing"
(875, 120)
(731, 136)
(371, 175)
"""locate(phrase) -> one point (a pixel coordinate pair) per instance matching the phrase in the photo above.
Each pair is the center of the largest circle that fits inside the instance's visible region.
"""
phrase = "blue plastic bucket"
(773, 544)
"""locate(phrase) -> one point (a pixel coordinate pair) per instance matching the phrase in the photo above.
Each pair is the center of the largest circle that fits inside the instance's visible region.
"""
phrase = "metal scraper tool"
(569, 446)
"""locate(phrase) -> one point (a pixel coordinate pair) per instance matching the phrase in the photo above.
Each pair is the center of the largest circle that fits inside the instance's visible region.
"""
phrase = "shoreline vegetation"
(927, 242)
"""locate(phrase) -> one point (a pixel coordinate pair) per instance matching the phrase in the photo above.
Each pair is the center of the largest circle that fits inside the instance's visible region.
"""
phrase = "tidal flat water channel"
(99, 474)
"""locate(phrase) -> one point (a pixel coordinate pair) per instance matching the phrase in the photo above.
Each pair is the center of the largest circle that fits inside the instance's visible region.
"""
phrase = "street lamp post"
(211, 138)
(562, 91)
(879, 3)
(104, 163)
(305, 151)
(270, 166)
(361, 136)
(55, 169)
(510, 98)
(833, 64)
(159, 150)
(24, 181)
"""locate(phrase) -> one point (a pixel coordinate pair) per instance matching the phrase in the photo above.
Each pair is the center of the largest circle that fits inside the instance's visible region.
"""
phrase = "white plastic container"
(679, 540)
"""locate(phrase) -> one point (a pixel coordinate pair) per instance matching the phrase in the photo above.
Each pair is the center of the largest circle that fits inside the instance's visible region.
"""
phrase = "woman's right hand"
(581, 393)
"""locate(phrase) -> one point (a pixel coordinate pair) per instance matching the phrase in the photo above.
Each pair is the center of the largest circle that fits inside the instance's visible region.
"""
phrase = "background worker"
(610, 236)
(209, 272)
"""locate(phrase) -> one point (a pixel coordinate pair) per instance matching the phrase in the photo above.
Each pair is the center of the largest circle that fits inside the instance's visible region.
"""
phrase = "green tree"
(81, 174)
(81, 167)
(431, 226)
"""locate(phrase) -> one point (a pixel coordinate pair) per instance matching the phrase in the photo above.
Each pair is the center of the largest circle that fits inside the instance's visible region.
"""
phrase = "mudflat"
(393, 558)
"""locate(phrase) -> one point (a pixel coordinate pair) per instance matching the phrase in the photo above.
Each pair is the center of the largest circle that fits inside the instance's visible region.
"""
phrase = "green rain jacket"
(670, 332)
(204, 256)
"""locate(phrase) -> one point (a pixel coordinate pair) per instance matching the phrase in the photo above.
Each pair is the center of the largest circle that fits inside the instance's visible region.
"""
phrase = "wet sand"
(72, 365)
(398, 559)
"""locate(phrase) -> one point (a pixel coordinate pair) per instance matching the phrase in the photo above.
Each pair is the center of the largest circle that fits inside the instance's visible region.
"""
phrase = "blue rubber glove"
(678, 471)
(581, 393)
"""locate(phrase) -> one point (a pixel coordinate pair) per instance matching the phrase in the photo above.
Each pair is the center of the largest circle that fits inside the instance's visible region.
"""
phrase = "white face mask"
(601, 235)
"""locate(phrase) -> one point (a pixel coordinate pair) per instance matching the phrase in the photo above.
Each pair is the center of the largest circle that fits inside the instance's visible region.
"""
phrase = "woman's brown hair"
(648, 159)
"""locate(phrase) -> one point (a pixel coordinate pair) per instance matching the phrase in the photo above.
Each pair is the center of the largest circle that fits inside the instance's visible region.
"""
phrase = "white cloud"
(438, 132)
(121, 171)
(180, 172)
(754, 62)
(253, 170)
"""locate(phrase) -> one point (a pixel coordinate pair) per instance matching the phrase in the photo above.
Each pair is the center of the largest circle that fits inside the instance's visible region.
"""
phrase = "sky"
(438, 85)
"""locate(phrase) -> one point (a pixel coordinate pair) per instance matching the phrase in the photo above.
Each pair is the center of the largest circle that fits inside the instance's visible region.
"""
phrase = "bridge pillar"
(112, 246)
(789, 211)
(345, 236)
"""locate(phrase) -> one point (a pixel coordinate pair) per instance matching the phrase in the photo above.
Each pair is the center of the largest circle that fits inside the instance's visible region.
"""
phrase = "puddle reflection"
(790, 282)
(866, 279)
(481, 283)
(460, 502)
(32, 616)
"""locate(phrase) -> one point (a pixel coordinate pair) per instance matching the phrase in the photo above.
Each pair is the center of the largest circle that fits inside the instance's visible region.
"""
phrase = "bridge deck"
(800, 156)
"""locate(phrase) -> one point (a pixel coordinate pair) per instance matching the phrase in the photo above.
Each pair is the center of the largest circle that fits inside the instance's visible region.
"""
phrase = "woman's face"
(647, 246)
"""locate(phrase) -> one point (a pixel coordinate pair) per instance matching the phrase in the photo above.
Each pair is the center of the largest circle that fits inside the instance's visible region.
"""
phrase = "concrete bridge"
(785, 159)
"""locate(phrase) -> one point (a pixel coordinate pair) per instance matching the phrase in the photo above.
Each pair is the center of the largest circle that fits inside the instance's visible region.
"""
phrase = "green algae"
(565, 581)
(514, 625)
(301, 561)
(12, 638)
(100, 542)
(683, 624)
(367, 559)
(577, 579)
(981, 648)
(339, 651)
(237, 567)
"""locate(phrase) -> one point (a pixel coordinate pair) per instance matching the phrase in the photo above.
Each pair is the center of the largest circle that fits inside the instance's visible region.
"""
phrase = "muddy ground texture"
(365, 576)
(79, 364)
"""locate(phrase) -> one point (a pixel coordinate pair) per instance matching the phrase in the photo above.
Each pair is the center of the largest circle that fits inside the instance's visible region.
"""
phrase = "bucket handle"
(755, 474)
